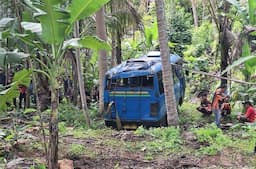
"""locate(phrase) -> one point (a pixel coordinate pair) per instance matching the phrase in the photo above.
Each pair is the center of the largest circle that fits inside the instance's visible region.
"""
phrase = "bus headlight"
(154, 109)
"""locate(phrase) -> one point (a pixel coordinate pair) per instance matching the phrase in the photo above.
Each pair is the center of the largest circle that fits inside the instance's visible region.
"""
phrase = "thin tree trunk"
(103, 60)
(38, 107)
(172, 113)
(193, 3)
(113, 51)
(74, 77)
(118, 47)
(53, 130)
(80, 80)
(224, 42)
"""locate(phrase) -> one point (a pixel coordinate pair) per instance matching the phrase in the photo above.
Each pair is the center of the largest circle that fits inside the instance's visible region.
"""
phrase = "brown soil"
(109, 157)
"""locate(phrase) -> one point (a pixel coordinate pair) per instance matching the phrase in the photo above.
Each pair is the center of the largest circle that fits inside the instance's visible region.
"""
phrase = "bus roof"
(144, 65)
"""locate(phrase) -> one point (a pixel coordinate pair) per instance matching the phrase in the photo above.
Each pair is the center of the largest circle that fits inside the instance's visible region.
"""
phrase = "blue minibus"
(134, 92)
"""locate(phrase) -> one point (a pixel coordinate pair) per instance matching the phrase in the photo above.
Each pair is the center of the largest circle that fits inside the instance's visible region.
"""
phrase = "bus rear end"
(133, 100)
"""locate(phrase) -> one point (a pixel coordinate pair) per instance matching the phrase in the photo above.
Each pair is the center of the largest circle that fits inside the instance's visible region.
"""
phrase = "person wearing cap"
(218, 97)
(250, 113)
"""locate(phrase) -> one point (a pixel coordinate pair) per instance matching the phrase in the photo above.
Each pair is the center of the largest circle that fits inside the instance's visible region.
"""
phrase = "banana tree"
(57, 24)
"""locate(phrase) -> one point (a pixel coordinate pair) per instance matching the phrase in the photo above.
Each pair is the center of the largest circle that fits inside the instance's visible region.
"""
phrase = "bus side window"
(160, 83)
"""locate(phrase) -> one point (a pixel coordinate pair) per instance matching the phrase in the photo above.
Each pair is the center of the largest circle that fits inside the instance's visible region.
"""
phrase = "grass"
(153, 143)
(76, 150)
(212, 139)
(191, 117)
(162, 140)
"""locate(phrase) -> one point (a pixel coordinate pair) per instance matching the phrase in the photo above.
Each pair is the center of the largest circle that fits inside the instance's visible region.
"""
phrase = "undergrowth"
(166, 140)
(212, 139)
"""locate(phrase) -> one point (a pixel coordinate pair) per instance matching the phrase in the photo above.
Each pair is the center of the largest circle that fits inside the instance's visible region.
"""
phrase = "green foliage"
(7, 57)
(203, 41)
(151, 35)
(80, 9)
(252, 11)
(242, 92)
(165, 140)
(212, 138)
(76, 150)
(53, 20)
(62, 127)
(29, 110)
(71, 115)
(241, 61)
(243, 137)
(38, 166)
(179, 24)
(190, 116)
(87, 42)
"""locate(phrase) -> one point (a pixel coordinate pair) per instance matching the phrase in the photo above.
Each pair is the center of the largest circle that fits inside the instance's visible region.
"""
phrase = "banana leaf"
(80, 9)
(5, 21)
(87, 42)
(7, 57)
(238, 62)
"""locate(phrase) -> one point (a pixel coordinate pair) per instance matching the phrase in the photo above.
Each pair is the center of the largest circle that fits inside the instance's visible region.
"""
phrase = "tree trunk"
(118, 47)
(193, 3)
(224, 42)
(113, 51)
(38, 107)
(80, 80)
(103, 60)
(172, 113)
(53, 131)
(75, 89)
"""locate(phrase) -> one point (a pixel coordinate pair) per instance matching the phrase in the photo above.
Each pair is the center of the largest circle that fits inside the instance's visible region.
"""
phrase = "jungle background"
(61, 50)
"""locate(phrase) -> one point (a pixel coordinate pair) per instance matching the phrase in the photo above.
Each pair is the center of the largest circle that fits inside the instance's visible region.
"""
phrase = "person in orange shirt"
(218, 97)
(250, 113)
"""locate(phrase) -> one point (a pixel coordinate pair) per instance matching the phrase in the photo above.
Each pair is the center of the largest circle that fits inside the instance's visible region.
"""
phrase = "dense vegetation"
(61, 50)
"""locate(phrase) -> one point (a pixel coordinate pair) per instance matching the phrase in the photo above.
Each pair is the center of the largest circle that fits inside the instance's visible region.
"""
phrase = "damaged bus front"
(134, 92)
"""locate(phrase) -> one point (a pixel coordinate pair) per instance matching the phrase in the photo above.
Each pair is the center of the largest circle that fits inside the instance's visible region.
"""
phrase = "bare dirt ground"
(109, 150)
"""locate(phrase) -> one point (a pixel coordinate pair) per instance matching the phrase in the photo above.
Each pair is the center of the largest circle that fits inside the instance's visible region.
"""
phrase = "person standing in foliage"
(218, 97)
(2, 77)
(250, 113)
(68, 85)
(23, 92)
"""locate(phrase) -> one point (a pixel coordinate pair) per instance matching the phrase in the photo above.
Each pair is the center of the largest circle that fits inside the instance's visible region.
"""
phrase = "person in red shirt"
(250, 113)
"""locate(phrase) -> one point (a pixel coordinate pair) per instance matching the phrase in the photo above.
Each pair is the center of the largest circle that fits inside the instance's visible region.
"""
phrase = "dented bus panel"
(134, 91)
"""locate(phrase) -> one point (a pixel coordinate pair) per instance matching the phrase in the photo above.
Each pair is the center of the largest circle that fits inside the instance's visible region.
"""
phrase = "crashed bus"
(134, 91)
